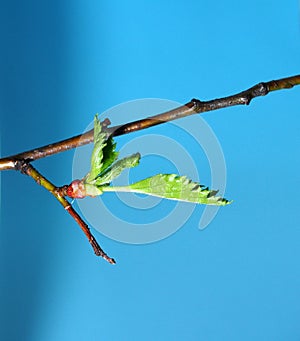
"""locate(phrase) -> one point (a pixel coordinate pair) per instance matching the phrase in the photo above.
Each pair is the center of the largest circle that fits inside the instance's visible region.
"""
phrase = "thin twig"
(190, 108)
(28, 169)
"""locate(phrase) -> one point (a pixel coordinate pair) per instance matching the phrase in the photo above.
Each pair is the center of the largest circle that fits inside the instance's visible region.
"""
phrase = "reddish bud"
(76, 190)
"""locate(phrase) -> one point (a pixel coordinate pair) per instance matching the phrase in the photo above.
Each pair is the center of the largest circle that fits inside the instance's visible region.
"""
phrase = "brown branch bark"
(193, 107)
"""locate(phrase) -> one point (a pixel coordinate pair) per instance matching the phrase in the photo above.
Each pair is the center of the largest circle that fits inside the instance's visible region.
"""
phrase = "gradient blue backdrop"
(239, 279)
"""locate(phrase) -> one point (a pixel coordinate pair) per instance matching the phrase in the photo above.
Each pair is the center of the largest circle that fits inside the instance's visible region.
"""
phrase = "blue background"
(239, 279)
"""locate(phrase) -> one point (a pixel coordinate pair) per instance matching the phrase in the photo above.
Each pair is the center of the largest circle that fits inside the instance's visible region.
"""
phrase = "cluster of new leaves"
(105, 167)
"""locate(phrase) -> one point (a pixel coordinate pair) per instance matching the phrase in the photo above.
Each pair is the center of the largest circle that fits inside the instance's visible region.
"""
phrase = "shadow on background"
(34, 66)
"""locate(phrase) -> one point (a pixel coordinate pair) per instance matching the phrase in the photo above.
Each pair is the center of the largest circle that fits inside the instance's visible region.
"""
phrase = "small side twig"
(26, 168)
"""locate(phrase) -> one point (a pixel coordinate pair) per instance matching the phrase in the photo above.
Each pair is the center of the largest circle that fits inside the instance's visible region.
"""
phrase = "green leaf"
(116, 168)
(109, 154)
(105, 168)
(171, 186)
(97, 154)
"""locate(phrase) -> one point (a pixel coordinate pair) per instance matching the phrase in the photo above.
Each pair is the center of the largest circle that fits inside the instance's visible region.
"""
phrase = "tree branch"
(21, 162)
(29, 170)
(190, 108)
